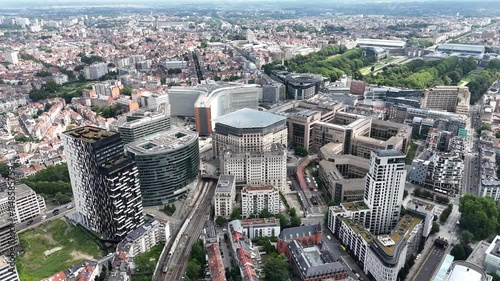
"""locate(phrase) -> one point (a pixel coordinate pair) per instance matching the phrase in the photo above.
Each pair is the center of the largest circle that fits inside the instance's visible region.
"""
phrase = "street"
(63, 209)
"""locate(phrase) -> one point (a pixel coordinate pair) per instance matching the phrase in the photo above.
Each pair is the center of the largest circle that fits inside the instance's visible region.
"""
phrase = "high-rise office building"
(105, 183)
(7, 271)
(448, 98)
(140, 126)
(8, 239)
(255, 199)
(384, 189)
(248, 130)
(11, 56)
(225, 192)
(168, 162)
(27, 205)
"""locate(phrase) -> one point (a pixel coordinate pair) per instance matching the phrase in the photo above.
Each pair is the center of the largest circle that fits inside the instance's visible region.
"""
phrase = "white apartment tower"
(224, 195)
(255, 199)
(12, 57)
(384, 189)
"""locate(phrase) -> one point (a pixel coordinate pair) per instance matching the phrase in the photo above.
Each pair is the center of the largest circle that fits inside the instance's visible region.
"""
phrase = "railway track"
(173, 263)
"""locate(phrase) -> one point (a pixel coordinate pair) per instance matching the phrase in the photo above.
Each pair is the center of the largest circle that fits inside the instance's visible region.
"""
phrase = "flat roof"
(389, 153)
(461, 272)
(89, 133)
(225, 183)
(271, 220)
(249, 118)
(462, 47)
(162, 141)
(381, 42)
(257, 188)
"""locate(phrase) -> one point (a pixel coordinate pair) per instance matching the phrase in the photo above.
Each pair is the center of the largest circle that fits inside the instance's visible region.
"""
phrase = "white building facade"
(224, 197)
(255, 199)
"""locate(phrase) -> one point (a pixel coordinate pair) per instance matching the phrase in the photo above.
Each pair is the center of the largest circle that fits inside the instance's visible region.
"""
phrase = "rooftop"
(271, 220)
(401, 231)
(259, 188)
(299, 231)
(389, 153)
(88, 133)
(355, 206)
(461, 47)
(464, 271)
(225, 183)
(249, 118)
(494, 247)
(162, 142)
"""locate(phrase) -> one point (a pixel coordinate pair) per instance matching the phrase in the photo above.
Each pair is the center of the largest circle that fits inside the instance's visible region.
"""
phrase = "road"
(431, 264)
(471, 174)
(334, 247)
(50, 216)
(177, 258)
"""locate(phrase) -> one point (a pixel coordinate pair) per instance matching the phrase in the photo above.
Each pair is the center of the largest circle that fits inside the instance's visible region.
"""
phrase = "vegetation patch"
(41, 259)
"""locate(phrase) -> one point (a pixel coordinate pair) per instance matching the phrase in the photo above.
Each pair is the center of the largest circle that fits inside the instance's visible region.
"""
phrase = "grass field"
(52, 247)
(146, 263)
(467, 78)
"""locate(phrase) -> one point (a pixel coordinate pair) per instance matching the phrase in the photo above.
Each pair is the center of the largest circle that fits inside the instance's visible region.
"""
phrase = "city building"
(307, 235)
(8, 239)
(384, 189)
(27, 204)
(176, 64)
(221, 99)
(11, 56)
(255, 228)
(439, 171)
(462, 270)
(492, 257)
(343, 177)
(138, 126)
(215, 263)
(267, 167)
(300, 127)
(168, 163)
(108, 88)
(426, 210)
(145, 237)
(464, 49)
(246, 256)
(60, 78)
(248, 130)
(388, 44)
(255, 199)
(448, 98)
(302, 86)
(311, 263)
(105, 183)
(182, 100)
(155, 101)
(224, 197)
(7, 272)
(95, 71)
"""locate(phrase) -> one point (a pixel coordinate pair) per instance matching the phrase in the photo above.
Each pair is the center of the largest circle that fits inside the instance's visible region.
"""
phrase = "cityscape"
(249, 140)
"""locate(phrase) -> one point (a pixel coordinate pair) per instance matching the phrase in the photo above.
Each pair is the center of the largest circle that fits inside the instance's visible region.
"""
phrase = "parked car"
(30, 222)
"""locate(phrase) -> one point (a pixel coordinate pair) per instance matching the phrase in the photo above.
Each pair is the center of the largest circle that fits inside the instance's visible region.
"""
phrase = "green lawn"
(76, 245)
(467, 78)
(146, 263)
(411, 153)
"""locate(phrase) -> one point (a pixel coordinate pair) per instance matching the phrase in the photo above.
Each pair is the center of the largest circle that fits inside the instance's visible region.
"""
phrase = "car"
(55, 212)
(329, 237)
(30, 222)
(44, 217)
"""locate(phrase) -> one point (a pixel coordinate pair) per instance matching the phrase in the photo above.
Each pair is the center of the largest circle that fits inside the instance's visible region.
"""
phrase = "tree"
(203, 44)
(494, 64)
(405, 193)
(235, 214)
(268, 247)
(446, 213)
(292, 212)
(220, 220)
(284, 221)
(127, 91)
(276, 268)
(295, 221)
(81, 77)
(4, 169)
(265, 214)
(479, 215)
(435, 227)
(417, 192)
(193, 269)
(300, 151)
(497, 134)
(461, 251)
(21, 138)
(467, 237)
